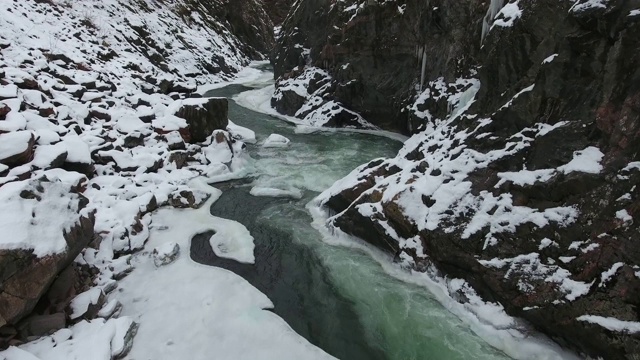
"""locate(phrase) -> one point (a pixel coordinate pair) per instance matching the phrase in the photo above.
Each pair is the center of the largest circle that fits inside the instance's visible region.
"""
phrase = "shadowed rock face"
(374, 55)
(574, 72)
(278, 10)
(203, 120)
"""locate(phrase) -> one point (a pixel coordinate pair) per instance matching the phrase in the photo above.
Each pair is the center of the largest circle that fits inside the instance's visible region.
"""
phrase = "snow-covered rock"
(166, 253)
(276, 141)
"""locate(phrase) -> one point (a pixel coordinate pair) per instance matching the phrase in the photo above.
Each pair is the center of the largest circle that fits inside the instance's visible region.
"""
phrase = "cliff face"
(377, 54)
(278, 10)
(524, 180)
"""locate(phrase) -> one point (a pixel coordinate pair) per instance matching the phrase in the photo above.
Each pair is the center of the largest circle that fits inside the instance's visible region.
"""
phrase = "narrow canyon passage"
(338, 298)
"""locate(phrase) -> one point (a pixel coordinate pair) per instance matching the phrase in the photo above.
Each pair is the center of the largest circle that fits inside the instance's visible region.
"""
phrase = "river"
(338, 298)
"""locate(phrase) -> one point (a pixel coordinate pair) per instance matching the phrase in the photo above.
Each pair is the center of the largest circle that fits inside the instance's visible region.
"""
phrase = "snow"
(486, 319)
(77, 150)
(624, 216)
(46, 154)
(549, 59)
(607, 275)
(587, 161)
(14, 143)
(80, 304)
(220, 311)
(241, 133)
(276, 140)
(613, 324)
(507, 15)
(35, 225)
(97, 339)
(580, 6)
(544, 243)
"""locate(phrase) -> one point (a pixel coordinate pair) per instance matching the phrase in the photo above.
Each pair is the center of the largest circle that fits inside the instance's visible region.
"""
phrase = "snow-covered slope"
(91, 142)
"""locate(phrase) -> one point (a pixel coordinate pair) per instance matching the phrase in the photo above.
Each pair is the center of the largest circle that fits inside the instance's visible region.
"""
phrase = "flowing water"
(339, 298)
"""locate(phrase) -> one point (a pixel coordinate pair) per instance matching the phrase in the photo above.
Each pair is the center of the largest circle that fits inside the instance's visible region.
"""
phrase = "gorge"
(358, 179)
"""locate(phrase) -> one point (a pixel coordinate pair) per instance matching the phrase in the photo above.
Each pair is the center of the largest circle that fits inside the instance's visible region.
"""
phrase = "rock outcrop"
(204, 117)
(26, 273)
(378, 53)
(525, 179)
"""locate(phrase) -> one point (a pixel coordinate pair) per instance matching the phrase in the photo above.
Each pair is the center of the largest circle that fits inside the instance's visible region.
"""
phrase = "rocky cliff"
(375, 56)
(523, 177)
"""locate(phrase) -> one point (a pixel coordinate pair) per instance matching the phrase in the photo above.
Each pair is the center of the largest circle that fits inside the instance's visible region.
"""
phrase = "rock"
(188, 199)
(552, 87)
(24, 276)
(110, 309)
(63, 289)
(374, 67)
(41, 325)
(276, 141)
(87, 305)
(289, 102)
(165, 254)
(180, 158)
(203, 116)
(4, 110)
(50, 156)
(16, 148)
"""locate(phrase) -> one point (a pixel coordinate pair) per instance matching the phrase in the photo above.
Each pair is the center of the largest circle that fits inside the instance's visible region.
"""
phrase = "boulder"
(4, 110)
(17, 148)
(188, 198)
(32, 253)
(203, 116)
(166, 254)
(40, 325)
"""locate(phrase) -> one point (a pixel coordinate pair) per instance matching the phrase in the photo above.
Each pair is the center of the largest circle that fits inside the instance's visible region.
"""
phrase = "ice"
(191, 311)
(242, 133)
(274, 192)
(275, 141)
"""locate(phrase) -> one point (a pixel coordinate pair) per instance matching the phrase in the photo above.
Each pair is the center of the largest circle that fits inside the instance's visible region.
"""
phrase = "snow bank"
(188, 310)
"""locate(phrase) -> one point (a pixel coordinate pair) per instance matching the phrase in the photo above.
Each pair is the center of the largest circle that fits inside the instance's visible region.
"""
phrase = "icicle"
(424, 68)
(494, 9)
